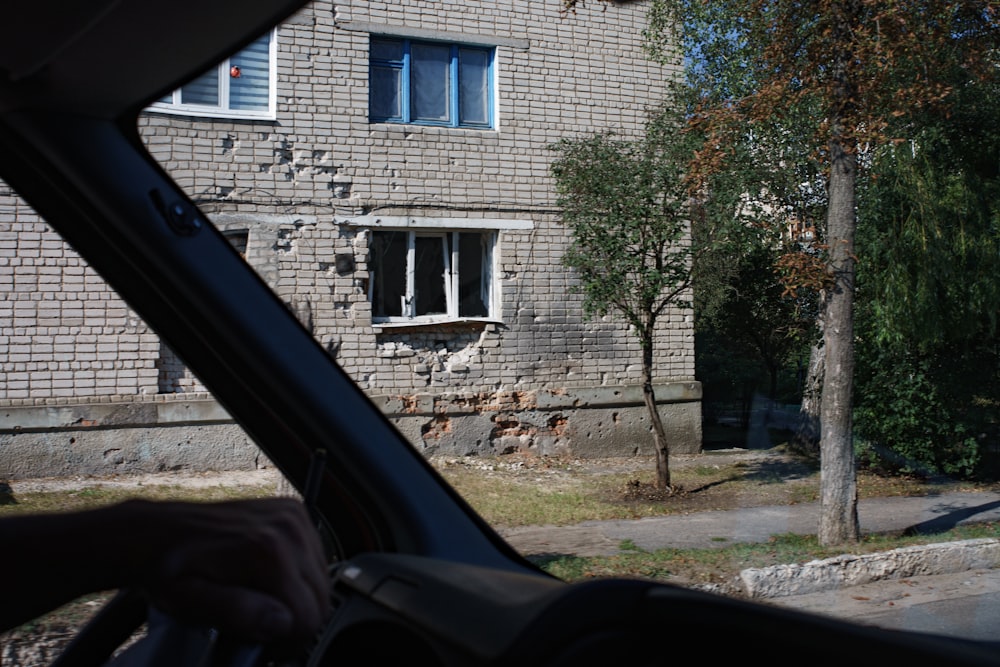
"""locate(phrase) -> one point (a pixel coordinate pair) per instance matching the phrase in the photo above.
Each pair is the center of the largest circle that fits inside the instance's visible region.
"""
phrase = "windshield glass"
(456, 209)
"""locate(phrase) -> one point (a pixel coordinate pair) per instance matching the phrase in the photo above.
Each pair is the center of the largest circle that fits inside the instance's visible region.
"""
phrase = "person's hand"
(253, 569)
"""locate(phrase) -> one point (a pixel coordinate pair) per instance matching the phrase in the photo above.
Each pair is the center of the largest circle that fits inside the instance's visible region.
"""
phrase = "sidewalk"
(714, 529)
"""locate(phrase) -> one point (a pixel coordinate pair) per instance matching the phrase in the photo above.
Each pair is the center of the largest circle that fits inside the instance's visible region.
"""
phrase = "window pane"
(251, 89)
(430, 81)
(473, 264)
(387, 49)
(474, 84)
(429, 296)
(388, 258)
(203, 90)
(385, 97)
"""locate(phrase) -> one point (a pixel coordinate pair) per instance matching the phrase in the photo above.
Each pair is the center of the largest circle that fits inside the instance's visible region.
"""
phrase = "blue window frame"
(430, 83)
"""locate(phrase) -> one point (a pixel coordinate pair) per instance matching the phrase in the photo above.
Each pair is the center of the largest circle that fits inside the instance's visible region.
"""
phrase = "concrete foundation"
(138, 436)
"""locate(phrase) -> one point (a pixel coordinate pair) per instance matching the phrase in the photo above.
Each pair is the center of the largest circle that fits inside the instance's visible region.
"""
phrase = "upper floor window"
(430, 83)
(431, 275)
(241, 86)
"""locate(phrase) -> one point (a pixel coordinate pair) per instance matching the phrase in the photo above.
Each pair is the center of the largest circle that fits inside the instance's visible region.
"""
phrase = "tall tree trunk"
(838, 483)
(807, 434)
(659, 435)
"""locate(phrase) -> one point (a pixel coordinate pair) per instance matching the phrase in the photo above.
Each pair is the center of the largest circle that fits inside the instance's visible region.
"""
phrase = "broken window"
(431, 275)
(238, 238)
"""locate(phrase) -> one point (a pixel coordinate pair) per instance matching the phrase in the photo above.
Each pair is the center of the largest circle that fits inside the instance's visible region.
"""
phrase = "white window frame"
(496, 226)
(452, 262)
(176, 107)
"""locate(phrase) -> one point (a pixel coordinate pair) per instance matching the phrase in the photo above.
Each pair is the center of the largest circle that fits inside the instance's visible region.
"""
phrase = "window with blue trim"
(430, 83)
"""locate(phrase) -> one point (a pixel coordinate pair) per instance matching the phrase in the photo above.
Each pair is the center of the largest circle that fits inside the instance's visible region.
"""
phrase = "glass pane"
(387, 49)
(429, 297)
(249, 79)
(388, 258)
(385, 98)
(474, 87)
(430, 82)
(203, 90)
(473, 263)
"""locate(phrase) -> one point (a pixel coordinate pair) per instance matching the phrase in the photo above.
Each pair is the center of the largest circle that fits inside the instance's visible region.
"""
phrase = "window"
(431, 275)
(430, 83)
(240, 86)
(238, 238)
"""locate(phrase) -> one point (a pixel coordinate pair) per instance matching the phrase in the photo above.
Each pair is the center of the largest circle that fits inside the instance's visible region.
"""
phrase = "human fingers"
(289, 546)
(267, 547)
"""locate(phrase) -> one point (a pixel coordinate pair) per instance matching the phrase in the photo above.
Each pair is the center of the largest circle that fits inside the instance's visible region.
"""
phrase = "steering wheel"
(167, 643)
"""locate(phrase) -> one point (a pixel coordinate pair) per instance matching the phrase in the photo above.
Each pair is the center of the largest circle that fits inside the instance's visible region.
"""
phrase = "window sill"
(213, 114)
(386, 126)
(464, 322)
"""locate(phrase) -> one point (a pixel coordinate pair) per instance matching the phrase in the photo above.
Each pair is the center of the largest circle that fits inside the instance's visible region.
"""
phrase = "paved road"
(964, 604)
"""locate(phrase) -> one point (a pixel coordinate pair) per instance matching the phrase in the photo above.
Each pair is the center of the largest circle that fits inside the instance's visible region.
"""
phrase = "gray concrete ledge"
(122, 414)
(177, 409)
(848, 570)
(151, 433)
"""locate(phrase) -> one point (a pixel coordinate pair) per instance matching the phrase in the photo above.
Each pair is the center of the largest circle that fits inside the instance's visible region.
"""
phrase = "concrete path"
(926, 515)
(836, 576)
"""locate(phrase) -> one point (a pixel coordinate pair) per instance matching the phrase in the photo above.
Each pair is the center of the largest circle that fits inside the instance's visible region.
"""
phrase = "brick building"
(384, 167)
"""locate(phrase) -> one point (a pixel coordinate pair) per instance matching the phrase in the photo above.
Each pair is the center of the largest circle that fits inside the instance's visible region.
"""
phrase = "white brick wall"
(289, 181)
(63, 332)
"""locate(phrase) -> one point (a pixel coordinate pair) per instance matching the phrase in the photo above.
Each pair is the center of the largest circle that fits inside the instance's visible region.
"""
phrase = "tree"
(625, 204)
(844, 73)
(929, 292)
(754, 314)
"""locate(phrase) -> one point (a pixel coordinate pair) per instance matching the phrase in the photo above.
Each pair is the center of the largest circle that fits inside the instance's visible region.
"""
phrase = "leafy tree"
(841, 74)
(755, 315)
(929, 292)
(625, 204)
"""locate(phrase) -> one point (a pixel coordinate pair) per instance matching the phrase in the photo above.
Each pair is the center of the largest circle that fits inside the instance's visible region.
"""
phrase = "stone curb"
(850, 570)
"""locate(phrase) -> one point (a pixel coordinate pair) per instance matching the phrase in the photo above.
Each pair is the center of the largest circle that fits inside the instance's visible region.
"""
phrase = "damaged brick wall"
(293, 187)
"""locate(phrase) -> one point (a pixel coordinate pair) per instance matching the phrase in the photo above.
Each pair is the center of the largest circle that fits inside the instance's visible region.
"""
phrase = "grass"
(562, 496)
(512, 501)
(721, 565)
(97, 496)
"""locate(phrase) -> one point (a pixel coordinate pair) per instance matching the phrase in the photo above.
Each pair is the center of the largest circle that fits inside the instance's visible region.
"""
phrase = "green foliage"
(749, 322)
(625, 205)
(751, 331)
(929, 294)
(931, 238)
(914, 415)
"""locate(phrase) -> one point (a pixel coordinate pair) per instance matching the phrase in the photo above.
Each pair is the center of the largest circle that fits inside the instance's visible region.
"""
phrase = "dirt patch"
(725, 479)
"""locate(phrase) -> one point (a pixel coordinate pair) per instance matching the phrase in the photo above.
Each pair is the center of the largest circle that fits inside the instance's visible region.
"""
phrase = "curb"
(849, 570)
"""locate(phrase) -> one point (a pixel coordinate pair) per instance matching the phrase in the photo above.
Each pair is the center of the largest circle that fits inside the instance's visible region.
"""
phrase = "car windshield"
(439, 196)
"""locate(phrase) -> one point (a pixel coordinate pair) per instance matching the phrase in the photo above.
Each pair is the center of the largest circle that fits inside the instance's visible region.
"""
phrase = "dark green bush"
(919, 413)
